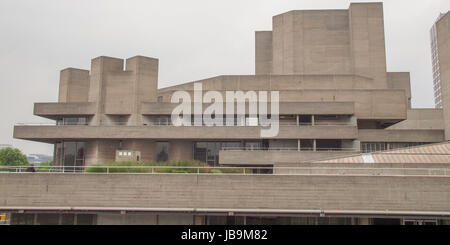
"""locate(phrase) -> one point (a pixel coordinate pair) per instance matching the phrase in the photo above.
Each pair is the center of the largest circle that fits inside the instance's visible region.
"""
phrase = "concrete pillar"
(100, 67)
(298, 120)
(367, 41)
(73, 85)
(100, 151)
(363, 221)
(263, 52)
(180, 150)
(199, 220)
(299, 145)
(314, 145)
(144, 72)
(313, 120)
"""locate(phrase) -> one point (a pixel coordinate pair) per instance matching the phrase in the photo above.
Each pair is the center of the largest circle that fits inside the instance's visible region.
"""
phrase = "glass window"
(200, 151)
(250, 146)
(69, 153)
(72, 121)
(367, 147)
(85, 219)
(208, 152)
(306, 145)
(163, 120)
(47, 219)
(305, 119)
(162, 151)
(22, 219)
(251, 121)
(73, 155)
(80, 150)
(231, 145)
(67, 219)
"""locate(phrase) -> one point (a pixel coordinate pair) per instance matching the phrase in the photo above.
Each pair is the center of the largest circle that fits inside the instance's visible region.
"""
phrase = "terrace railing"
(288, 149)
(228, 170)
(112, 123)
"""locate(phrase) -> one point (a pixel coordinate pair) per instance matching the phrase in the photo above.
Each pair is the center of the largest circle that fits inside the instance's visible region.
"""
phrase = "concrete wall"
(400, 135)
(368, 42)
(326, 42)
(312, 42)
(400, 80)
(263, 52)
(104, 151)
(53, 110)
(422, 119)
(120, 92)
(276, 82)
(180, 150)
(406, 193)
(369, 104)
(100, 67)
(101, 151)
(145, 147)
(145, 76)
(73, 85)
(443, 37)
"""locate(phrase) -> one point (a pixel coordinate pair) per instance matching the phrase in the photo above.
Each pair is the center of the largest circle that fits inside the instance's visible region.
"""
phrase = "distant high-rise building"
(435, 63)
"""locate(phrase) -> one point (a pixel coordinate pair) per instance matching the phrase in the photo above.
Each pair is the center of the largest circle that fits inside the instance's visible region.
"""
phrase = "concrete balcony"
(272, 157)
(286, 108)
(401, 135)
(49, 133)
(55, 110)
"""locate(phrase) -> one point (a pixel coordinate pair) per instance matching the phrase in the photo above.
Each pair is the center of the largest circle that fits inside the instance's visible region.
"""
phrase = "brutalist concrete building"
(336, 98)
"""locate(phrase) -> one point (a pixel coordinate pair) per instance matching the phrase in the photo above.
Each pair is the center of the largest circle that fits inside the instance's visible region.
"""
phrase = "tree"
(12, 157)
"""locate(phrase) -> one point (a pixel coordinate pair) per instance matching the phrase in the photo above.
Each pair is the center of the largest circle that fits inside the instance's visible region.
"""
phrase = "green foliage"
(12, 157)
(45, 167)
(215, 171)
(147, 168)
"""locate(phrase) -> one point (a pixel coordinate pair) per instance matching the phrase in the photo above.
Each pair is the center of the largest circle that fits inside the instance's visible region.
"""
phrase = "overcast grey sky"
(193, 39)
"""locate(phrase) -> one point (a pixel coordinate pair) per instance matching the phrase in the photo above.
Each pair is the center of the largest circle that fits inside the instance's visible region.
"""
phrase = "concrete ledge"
(52, 133)
(236, 212)
(400, 135)
(283, 192)
(286, 108)
(53, 110)
(272, 157)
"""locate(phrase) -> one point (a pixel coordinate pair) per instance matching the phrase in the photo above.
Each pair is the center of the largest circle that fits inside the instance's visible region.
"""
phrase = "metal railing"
(112, 123)
(308, 149)
(338, 171)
